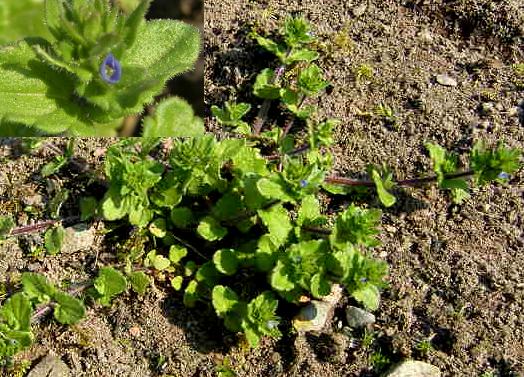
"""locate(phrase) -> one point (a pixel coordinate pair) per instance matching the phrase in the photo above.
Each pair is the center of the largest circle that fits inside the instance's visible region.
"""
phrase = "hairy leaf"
(173, 117)
(37, 287)
(68, 310)
(109, 283)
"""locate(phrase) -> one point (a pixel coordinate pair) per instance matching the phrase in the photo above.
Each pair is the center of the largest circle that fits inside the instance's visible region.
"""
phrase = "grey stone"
(358, 318)
(50, 366)
(78, 238)
(446, 80)
(313, 317)
(413, 368)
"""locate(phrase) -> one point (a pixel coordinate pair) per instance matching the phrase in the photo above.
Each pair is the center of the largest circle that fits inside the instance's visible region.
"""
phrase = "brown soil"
(457, 272)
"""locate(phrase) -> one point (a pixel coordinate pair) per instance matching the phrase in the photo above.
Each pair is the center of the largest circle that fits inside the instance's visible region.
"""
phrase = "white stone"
(446, 80)
(313, 317)
(413, 368)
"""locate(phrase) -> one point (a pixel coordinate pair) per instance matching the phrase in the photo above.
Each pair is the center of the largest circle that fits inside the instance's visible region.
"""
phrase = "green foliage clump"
(217, 212)
(237, 223)
(16, 313)
(486, 165)
(237, 206)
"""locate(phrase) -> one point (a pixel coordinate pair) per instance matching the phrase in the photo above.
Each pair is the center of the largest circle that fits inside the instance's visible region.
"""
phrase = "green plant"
(518, 69)
(368, 338)
(53, 239)
(364, 72)
(97, 67)
(386, 113)
(487, 374)
(424, 347)
(226, 190)
(224, 369)
(59, 161)
(379, 361)
(237, 223)
(17, 312)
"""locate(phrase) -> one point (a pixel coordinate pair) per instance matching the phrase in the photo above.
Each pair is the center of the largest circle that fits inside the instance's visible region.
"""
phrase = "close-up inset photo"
(302, 188)
(94, 67)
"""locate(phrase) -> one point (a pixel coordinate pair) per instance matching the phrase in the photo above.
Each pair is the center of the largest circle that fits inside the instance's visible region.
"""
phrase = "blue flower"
(110, 69)
(503, 175)
(303, 183)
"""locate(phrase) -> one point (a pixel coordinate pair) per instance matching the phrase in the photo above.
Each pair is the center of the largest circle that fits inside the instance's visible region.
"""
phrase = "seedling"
(364, 72)
(17, 313)
(386, 113)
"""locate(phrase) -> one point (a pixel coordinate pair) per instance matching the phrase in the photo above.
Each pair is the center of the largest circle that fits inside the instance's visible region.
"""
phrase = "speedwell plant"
(97, 66)
(239, 224)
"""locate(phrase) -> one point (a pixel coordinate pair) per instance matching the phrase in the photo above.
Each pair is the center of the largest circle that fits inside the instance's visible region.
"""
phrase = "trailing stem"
(413, 182)
(264, 108)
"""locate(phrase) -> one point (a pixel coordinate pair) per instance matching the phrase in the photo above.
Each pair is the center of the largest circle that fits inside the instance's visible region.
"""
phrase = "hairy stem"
(413, 182)
(42, 225)
(264, 108)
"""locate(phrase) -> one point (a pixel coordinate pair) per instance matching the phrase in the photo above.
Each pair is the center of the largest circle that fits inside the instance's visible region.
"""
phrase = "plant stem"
(41, 226)
(295, 151)
(403, 183)
(264, 108)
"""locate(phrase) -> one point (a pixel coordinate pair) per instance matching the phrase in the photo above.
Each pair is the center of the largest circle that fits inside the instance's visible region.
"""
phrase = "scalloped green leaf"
(210, 229)
(173, 117)
(224, 299)
(108, 284)
(38, 287)
(68, 309)
(226, 261)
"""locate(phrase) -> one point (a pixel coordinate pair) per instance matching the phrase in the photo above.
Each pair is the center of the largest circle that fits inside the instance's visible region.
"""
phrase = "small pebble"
(313, 317)
(487, 107)
(446, 80)
(425, 36)
(134, 331)
(358, 318)
(413, 368)
(514, 111)
(360, 10)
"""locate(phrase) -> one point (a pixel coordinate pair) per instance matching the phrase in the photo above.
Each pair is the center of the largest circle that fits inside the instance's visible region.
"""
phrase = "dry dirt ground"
(457, 272)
